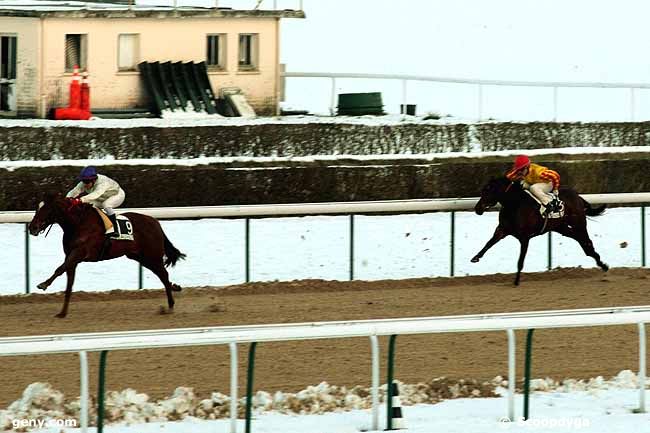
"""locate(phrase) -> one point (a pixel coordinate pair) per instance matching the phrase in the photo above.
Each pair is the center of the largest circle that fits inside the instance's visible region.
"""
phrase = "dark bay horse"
(84, 238)
(520, 217)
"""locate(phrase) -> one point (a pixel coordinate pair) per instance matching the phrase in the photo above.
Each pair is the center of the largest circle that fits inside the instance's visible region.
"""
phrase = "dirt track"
(290, 366)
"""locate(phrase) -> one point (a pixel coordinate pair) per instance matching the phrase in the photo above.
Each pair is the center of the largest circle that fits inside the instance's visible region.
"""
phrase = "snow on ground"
(594, 406)
(386, 247)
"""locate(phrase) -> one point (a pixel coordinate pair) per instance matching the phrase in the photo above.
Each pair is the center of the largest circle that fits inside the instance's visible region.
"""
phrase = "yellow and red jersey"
(538, 174)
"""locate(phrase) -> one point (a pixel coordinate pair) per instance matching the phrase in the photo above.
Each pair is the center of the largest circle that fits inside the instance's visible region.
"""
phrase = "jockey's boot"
(113, 233)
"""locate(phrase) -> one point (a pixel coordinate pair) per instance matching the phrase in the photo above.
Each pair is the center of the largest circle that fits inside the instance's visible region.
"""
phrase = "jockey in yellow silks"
(541, 181)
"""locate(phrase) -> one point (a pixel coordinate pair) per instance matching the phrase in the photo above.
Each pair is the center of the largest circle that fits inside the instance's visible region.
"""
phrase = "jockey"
(542, 182)
(100, 191)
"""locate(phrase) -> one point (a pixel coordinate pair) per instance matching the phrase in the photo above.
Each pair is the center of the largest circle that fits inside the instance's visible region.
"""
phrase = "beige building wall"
(166, 39)
(27, 31)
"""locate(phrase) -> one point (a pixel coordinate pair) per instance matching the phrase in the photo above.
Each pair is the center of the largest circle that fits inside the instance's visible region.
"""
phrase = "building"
(42, 41)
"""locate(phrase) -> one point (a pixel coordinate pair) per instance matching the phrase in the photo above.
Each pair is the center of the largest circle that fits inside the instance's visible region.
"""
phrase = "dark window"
(215, 53)
(75, 52)
(247, 51)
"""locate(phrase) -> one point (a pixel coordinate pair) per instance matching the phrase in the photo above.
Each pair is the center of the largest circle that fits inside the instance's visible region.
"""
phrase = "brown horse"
(84, 240)
(520, 217)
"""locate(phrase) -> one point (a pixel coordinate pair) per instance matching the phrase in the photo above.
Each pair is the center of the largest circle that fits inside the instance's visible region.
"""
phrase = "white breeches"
(110, 203)
(543, 192)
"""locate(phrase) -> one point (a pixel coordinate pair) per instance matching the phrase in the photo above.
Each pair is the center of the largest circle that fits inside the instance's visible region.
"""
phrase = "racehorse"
(520, 217)
(84, 240)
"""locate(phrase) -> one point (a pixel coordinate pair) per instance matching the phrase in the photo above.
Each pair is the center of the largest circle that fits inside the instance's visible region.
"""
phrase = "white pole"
(333, 98)
(403, 110)
(83, 397)
(374, 342)
(642, 367)
(511, 374)
(233, 387)
(480, 102)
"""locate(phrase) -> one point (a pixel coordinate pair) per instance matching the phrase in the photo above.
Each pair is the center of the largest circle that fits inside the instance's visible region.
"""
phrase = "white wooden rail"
(233, 335)
(354, 207)
(480, 83)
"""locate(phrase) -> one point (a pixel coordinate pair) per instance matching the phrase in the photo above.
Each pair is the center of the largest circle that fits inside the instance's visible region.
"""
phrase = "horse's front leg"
(522, 257)
(496, 237)
(45, 284)
(70, 271)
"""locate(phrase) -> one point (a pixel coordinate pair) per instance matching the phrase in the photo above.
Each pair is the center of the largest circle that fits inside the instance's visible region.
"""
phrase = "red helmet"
(521, 161)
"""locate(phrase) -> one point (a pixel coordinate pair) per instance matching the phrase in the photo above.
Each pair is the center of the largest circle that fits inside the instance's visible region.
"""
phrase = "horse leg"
(522, 257)
(158, 268)
(45, 284)
(496, 237)
(581, 236)
(70, 273)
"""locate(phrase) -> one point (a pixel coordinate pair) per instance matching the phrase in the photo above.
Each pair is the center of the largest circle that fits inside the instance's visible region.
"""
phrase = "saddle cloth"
(542, 208)
(124, 227)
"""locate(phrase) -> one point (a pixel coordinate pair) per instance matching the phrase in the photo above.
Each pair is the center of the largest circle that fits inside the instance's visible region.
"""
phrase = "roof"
(78, 9)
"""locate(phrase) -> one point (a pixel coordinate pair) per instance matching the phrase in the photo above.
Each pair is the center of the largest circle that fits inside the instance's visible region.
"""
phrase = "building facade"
(41, 44)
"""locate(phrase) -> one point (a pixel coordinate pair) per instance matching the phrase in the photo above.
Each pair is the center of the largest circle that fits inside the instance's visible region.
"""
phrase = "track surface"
(291, 366)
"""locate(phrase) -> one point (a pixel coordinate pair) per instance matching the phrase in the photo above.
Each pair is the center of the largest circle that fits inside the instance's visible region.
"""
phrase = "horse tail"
(593, 211)
(172, 253)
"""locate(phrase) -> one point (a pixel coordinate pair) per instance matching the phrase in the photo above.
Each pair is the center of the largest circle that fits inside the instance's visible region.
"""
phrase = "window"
(248, 51)
(75, 52)
(7, 73)
(216, 51)
(128, 51)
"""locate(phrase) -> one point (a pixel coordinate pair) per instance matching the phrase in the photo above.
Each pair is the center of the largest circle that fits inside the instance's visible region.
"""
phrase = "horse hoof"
(42, 286)
(176, 288)
(162, 310)
(61, 315)
(475, 259)
(604, 267)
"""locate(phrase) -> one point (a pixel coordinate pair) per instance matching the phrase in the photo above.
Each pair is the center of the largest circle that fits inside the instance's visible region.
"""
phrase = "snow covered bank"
(41, 402)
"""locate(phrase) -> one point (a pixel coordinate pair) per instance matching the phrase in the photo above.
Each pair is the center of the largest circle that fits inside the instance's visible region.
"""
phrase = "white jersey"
(103, 188)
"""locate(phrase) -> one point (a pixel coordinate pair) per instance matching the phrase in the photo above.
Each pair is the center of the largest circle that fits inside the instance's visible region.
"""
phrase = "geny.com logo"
(43, 423)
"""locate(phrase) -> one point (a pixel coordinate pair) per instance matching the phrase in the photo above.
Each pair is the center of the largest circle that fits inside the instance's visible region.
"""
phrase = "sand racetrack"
(291, 366)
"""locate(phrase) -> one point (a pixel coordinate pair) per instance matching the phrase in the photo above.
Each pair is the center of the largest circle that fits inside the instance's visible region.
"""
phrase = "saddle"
(124, 228)
(557, 207)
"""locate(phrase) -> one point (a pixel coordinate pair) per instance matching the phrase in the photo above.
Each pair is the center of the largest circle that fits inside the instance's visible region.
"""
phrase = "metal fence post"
(101, 391)
(233, 387)
(249, 386)
(83, 395)
(374, 342)
(452, 242)
(27, 258)
(549, 263)
(351, 247)
(247, 260)
(643, 236)
(389, 382)
(642, 367)
(527, 368)
(511, 374)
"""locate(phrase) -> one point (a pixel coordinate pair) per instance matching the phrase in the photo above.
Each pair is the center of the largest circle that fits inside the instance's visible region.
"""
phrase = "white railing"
(233, 335)
(354, 207)
(342, 208)
(479, 83)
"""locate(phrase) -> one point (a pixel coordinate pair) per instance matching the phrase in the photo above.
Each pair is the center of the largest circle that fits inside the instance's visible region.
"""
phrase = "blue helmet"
(88, 173)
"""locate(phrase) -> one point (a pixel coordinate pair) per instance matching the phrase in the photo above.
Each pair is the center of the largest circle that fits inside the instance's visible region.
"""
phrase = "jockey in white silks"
(100, 191)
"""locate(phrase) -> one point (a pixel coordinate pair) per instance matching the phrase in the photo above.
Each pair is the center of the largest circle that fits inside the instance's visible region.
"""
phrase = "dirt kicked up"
(291, 366)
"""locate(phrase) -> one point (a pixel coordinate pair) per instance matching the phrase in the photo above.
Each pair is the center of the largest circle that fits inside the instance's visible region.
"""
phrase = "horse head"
(54, 208)
(493, 192)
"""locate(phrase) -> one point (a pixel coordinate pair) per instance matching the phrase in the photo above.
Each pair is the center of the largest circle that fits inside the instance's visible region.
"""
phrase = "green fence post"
(643, 236)
(389, 382)
(351, 247)
(249, 386)
(549, 264)
(27, 259)
(529, 356)
(451, 243)
(100, 391)
(248, 247)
